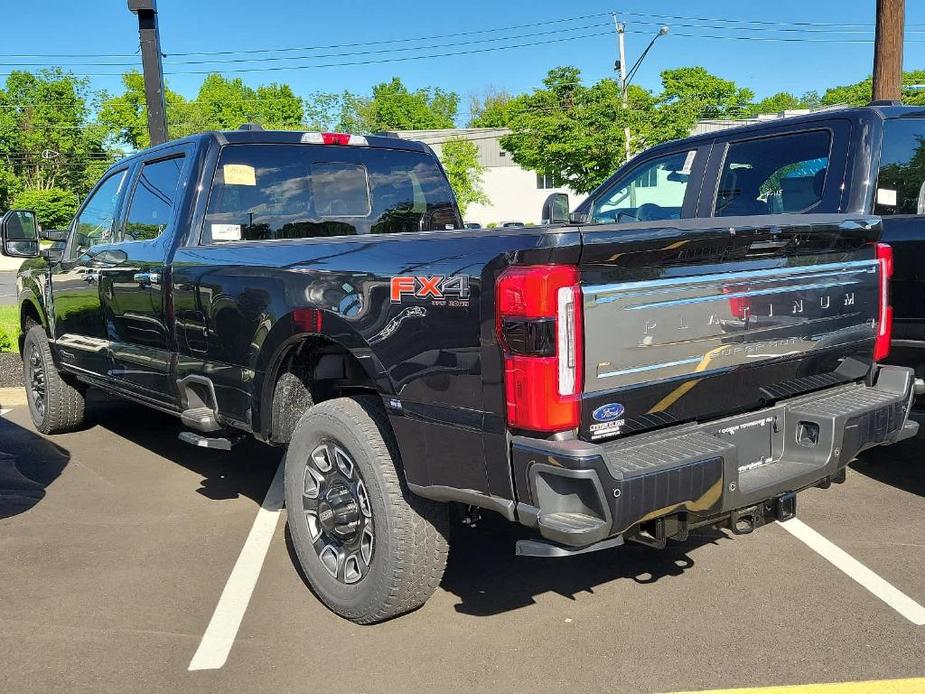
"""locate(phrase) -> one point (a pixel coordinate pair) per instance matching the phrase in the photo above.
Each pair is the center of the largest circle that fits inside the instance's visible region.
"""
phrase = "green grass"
(9, 326)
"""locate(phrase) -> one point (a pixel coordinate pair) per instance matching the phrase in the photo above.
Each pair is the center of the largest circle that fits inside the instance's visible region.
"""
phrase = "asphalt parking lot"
(116, 544)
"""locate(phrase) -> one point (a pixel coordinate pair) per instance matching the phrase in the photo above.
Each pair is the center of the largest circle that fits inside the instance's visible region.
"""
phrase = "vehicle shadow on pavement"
(29, 463)
(489, 579)
(245, 471)
(901, 465)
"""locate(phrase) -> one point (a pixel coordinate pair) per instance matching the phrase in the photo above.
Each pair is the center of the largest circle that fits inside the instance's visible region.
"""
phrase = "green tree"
(461, 160)
(54, 207)
(125, 115)
(860, 93)
(573, 131)
(492, 109)
(46, 137)
(777, 103)
(393, 107)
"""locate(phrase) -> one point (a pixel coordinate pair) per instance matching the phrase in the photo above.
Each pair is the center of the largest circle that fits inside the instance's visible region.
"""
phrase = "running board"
(216, 443)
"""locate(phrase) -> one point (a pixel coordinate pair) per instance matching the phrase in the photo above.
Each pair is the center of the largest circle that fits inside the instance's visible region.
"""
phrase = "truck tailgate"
(687, 323)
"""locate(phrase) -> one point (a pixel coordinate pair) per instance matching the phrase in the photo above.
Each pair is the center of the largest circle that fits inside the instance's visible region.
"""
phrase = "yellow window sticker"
(239, 175)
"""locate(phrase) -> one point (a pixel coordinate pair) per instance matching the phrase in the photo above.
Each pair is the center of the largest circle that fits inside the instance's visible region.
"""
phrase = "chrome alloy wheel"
(35, 380)
(338, 512)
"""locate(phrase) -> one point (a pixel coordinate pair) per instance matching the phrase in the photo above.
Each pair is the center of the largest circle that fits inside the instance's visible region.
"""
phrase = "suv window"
(267, 192)
(153, 199)
(654, 191)
(774, 175)
(901, 183)
(94, 225)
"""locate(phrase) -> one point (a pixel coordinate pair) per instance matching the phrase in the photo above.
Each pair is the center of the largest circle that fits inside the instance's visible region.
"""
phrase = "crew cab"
(662, 365)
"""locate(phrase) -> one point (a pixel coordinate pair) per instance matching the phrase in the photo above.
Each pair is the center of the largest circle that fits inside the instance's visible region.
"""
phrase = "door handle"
(146, 279)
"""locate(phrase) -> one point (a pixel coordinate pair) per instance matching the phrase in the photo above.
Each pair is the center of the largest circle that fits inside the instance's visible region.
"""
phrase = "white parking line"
(3, 412)
(223, 627)
(855, 570)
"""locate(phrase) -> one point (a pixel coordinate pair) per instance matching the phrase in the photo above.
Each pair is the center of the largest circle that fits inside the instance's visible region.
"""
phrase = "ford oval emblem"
(608, 412)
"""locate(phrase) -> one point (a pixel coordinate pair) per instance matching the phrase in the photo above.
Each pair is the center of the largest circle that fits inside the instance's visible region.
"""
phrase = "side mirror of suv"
(19, 234)
(555, 209)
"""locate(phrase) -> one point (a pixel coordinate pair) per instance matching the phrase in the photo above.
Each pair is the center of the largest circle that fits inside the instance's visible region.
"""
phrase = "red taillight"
(335, 138)
(539, 325)
(885, 313)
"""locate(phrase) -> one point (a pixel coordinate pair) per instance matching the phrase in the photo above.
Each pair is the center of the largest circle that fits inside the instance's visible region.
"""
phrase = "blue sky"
(106, 26)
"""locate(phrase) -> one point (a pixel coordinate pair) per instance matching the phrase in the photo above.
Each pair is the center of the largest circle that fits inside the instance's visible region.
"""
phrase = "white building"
(515, 194)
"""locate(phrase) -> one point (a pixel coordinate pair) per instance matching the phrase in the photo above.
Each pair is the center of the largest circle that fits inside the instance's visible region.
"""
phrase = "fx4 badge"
(437, 290)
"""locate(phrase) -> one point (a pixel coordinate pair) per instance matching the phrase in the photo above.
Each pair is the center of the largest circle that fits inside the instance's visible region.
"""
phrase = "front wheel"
(369, 549)
(56, 406)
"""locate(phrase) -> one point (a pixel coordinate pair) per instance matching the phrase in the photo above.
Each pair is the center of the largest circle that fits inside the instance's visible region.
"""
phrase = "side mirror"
(55, 235)
(19, 234)
(555, 209)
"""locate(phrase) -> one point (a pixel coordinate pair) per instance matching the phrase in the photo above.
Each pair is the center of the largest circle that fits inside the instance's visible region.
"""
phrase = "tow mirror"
(19, 234)
(555, 209)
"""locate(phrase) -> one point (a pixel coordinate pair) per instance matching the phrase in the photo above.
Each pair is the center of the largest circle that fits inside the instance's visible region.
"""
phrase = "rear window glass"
(775, 175)
(901, 183)
(267, 192)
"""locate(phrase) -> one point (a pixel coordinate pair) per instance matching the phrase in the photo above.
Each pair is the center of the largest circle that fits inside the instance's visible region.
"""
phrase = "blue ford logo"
(608, 412)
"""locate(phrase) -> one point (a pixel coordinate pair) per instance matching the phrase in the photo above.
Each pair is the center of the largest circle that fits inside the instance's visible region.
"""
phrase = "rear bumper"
(577, 493)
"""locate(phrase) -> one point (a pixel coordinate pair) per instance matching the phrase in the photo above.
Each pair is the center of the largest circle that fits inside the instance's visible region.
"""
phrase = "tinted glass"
(94, 225)
(775, 175)
(901, 183)
(655, 191)
(266, 192)
(153, 200)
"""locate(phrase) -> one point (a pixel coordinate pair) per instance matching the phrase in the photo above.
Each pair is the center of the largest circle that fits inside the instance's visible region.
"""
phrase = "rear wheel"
(369, 549)
(56, 406)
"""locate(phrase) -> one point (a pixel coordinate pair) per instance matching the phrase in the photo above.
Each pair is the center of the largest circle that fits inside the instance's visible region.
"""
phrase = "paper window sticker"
(239, 175)
(226, 232)
(887, 197)
(688, 162)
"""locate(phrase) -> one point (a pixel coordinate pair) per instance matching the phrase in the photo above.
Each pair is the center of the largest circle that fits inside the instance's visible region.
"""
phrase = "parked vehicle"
(868, 160)
(598, 382)
(472, 225)
(512, 225)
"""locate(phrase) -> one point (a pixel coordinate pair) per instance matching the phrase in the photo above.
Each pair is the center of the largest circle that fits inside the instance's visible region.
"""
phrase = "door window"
(901, 183)
(654, 191)
(94, 225)
(775, 175)
(153, 200)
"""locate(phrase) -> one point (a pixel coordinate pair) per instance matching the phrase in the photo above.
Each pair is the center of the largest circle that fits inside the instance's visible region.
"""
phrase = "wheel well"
(309, 372)
(29, 315)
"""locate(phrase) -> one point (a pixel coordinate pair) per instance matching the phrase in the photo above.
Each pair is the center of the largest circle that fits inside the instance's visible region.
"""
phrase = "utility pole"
(621, 46)
(153, 68)
(888, 50)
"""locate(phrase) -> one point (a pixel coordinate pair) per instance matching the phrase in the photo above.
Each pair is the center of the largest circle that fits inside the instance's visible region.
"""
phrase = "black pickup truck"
(683, 357)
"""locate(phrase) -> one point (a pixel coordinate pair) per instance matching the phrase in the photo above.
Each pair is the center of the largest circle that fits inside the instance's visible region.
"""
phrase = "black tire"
(56, 406)
(409, 534)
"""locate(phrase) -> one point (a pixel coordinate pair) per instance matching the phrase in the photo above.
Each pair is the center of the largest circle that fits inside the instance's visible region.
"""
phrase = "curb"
(10, 397)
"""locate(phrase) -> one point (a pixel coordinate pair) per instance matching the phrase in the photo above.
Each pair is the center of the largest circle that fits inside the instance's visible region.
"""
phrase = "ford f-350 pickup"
(630, 377)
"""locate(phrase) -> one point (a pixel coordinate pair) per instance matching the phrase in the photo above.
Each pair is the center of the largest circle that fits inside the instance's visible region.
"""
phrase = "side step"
(216, 443)
(200, 419)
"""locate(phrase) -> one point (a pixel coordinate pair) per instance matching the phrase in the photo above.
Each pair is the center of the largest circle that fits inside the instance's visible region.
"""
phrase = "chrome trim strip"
(773, 274)
(651, 367)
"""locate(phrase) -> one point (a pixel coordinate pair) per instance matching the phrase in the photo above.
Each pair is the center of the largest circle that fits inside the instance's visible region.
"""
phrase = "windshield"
(266, 192)
(901, 183)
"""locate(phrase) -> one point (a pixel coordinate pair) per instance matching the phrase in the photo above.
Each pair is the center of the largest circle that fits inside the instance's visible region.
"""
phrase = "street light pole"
(627, 76)
(153, 68)
(620, 27)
